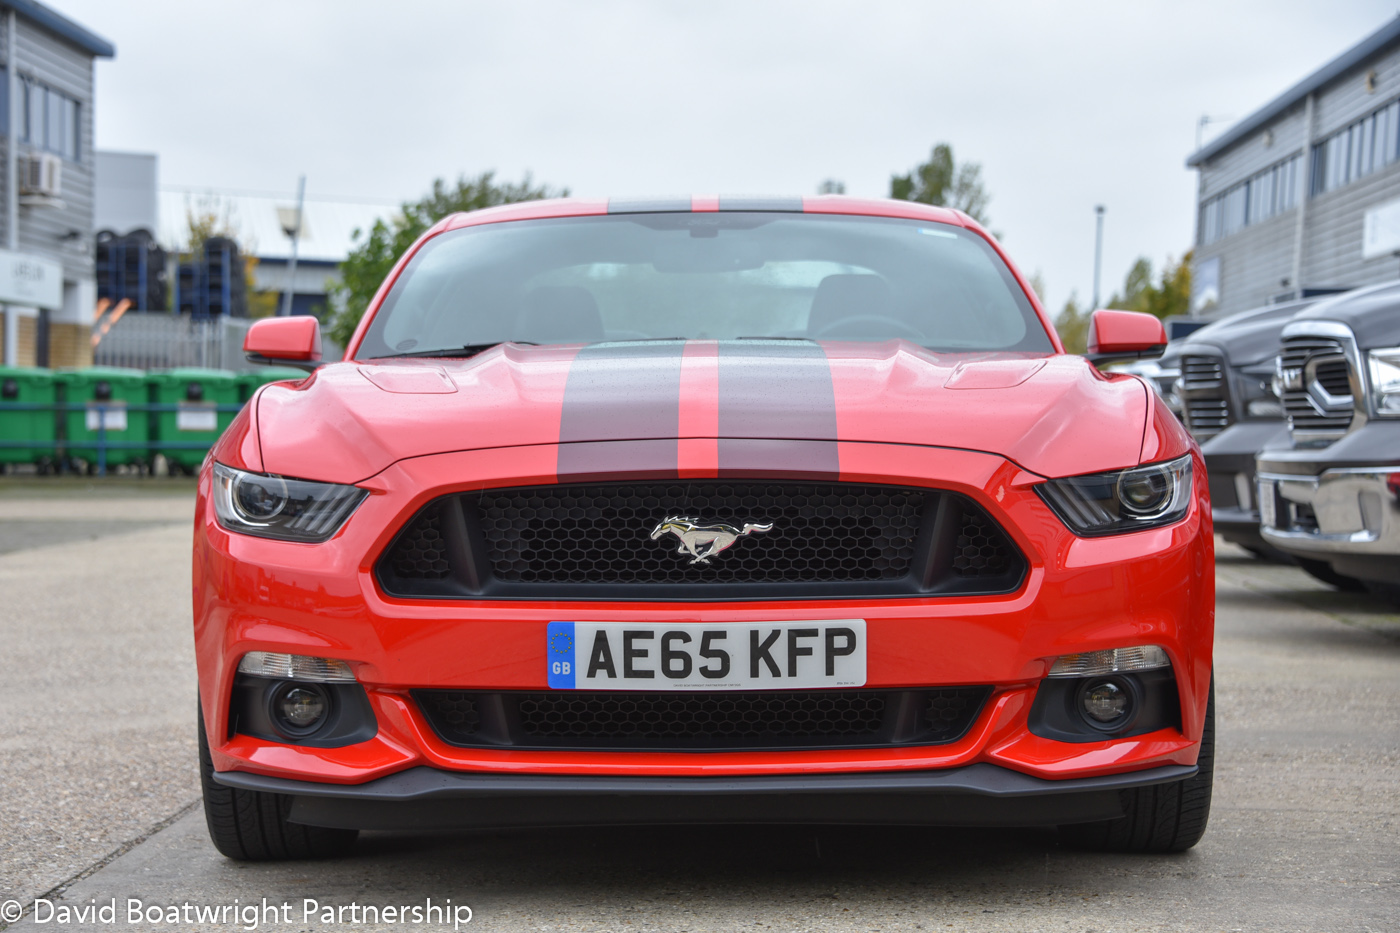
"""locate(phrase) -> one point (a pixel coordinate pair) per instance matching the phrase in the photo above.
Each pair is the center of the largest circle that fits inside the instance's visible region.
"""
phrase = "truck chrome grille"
(1202, 372)
(1205, 395)
(1316, 379)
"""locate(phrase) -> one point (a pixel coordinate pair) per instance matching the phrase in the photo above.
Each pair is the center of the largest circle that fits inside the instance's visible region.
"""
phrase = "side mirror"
(1125, 335)
(288, 341)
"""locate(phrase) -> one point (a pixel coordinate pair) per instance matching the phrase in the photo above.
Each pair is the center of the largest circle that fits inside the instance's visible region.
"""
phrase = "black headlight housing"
(1121, 501)
(284, 509)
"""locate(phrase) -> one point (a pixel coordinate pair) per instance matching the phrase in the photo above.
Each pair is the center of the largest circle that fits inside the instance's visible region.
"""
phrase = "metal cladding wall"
(1257, 262)
(63, 66)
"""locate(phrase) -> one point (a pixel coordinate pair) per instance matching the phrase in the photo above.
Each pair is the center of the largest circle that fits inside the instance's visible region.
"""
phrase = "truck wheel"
(252, 826)
(1321, 570)
(1161, 818)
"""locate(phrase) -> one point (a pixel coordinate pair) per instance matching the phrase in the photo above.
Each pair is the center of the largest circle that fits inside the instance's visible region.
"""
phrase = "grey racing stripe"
(776, 390)
(760, 203)
(623, 392)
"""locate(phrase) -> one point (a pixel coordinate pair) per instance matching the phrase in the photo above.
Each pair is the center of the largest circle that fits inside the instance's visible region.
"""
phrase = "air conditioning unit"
(41, 175)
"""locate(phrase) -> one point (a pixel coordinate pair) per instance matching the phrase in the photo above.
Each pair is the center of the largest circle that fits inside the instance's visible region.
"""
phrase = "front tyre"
(1162, 818)
(251, 826)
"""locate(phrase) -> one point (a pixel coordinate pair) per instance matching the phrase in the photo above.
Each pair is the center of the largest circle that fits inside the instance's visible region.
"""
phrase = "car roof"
(814, 204)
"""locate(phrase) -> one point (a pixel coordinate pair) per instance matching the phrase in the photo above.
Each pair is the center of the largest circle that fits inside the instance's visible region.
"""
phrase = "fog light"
(299, 709)
(1105, 702)
(1108, 704)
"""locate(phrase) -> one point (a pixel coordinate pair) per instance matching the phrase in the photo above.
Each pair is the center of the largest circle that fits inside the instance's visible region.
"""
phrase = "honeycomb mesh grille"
(662, 715)
(981, 549)
(595, 541)
(710, 720)
(420, 552)
(950, 711)
(602, 534)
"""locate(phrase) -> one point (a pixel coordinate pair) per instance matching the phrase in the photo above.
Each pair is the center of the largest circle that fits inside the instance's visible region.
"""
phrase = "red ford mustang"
(705, 509)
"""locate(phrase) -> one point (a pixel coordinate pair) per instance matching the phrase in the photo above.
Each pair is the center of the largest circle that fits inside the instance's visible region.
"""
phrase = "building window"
(1252, 201)
(49, 119)
(1355, 151)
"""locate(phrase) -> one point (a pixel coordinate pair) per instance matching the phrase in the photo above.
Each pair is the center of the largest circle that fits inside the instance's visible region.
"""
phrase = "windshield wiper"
(471, 349)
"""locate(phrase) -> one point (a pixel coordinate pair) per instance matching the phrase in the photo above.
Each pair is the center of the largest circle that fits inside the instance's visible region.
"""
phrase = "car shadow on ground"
(651, 859)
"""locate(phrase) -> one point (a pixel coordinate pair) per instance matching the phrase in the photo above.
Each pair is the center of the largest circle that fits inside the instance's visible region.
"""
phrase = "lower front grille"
(713, 721)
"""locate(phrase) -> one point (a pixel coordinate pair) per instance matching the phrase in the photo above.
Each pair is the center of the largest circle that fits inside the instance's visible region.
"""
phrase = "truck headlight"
(1123, 500)
(281, 508)
(1385, 382)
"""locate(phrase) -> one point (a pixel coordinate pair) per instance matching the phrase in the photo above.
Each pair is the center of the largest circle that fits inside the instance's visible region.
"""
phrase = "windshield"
(722, 276)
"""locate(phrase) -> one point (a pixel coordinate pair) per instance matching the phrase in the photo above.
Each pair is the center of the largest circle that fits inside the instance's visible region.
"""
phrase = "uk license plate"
(746, 656)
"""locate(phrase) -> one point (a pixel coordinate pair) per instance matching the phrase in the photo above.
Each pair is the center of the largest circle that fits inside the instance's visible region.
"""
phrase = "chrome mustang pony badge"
(702, 542)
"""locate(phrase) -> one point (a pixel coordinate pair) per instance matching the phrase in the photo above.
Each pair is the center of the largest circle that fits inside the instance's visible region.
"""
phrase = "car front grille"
(1202, 372)
(596, 541)
(701, 721)
(1205, 395)
(1317, 399)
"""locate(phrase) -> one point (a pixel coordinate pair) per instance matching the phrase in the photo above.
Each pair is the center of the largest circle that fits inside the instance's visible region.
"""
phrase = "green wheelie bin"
(250, 382)
(26, 431)
(195, 407)
(105, 403)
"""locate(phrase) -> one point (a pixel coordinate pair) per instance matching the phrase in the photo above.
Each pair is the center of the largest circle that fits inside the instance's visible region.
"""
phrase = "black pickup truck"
(1329, 490)
(1225, 390)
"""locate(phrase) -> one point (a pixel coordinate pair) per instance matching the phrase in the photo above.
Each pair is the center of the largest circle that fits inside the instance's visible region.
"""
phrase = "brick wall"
(70, 345)
(26, 348)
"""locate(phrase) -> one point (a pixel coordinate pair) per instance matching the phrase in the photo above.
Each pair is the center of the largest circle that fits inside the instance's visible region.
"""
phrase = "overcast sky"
(1066, 105)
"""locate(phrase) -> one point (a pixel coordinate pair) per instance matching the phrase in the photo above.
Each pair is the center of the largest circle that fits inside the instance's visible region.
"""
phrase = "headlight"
(1121, 501)
(1385, 381)
(285, 509)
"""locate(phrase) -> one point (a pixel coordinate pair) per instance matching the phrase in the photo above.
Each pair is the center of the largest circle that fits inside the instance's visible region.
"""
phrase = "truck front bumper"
(1348, 515)
(1229, 458)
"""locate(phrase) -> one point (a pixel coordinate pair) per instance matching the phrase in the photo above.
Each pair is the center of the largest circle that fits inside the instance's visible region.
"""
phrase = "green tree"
(379, 248)
(1072, 324)
(1167, 296)
(943, 182)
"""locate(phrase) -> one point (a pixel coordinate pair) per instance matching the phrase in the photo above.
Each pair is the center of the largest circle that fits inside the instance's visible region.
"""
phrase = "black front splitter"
(977, 795)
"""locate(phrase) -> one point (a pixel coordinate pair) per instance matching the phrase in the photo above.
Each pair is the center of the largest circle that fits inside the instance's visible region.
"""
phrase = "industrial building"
(1302, 197)
(130, 199)
(47, 287)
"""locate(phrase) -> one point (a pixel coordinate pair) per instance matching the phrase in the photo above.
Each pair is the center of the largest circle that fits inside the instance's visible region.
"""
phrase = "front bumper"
(1080, 594)
(1230, 457)
(976, 795)
(1335, 503)
(1348, 517)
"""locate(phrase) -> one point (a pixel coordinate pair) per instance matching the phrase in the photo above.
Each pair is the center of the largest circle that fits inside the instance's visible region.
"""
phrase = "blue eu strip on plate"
(560, 651)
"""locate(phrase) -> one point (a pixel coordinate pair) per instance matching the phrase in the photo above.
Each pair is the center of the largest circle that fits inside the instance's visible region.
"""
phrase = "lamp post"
(1098, 253)
(295, 234)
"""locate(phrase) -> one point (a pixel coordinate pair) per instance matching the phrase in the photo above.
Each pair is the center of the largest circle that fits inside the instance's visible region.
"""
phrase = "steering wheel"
(839, 328)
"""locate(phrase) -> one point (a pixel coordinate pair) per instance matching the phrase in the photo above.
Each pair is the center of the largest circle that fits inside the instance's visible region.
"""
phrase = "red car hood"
(1053, 415)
